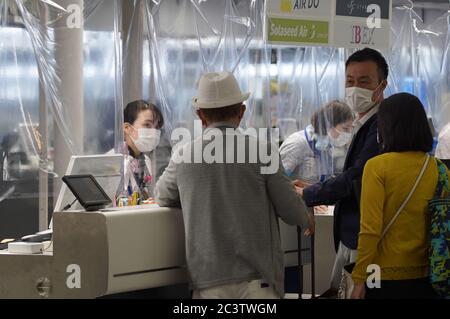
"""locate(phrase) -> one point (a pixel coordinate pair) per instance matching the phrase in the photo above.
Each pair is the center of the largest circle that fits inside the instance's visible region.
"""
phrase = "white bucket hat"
(217, 90)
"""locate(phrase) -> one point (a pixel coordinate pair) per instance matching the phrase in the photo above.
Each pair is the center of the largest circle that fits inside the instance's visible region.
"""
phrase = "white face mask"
(343, 139)
(359, 99)
(148, 139)
(322, 143)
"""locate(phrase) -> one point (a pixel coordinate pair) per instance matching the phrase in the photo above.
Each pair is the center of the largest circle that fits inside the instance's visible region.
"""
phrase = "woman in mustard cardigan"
(402, 254)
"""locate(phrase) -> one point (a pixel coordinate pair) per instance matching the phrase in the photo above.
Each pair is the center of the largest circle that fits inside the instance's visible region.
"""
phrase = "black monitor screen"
(87, 190)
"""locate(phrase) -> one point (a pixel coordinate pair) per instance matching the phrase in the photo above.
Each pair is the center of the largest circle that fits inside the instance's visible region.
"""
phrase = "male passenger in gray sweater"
(231, 193)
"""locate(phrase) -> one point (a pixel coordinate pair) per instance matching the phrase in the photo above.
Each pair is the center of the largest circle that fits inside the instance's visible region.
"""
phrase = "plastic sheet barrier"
(68, 68)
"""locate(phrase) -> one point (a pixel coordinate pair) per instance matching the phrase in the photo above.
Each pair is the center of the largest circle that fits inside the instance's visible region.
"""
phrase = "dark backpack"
(439, 254)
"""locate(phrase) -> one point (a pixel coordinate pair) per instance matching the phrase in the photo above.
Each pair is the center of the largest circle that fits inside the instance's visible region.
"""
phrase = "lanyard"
(316, 154)
(130, 179)
(312, 146)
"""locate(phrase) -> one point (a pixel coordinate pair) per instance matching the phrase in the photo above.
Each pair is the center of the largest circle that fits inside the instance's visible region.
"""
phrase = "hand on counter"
(321, 210)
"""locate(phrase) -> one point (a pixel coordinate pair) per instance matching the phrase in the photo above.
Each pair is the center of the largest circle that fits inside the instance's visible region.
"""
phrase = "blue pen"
(130, 191)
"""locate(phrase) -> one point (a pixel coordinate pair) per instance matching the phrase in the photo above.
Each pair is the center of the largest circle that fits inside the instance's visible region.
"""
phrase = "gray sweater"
(230, 215)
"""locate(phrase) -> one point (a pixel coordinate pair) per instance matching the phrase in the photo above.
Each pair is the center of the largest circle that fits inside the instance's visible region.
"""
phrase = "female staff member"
(142, 124)
(307, 156)
(319, 151)
(396, 239)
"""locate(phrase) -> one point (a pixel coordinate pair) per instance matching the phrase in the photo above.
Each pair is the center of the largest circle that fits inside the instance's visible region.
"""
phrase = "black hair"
(368, 54)
(403, 125)
(132, 110)
(222, 114)
(331, 115)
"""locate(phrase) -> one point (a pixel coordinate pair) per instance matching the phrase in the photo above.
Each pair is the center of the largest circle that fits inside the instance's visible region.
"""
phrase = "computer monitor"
(87, 191)
(106, 169)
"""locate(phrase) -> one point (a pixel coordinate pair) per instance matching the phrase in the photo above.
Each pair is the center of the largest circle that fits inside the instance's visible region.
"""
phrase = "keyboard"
(119, 209)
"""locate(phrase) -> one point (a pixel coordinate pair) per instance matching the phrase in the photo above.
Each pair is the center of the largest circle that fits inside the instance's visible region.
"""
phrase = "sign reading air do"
(337, 23)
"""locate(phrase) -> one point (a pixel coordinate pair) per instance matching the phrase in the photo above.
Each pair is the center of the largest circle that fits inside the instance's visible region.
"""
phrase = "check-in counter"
(106, 252)
(100, 253)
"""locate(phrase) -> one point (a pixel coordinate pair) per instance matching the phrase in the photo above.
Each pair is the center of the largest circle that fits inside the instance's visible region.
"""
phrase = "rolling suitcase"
(300, 265)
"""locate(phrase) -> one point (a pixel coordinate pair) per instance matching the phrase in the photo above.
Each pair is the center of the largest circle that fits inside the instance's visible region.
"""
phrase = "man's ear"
(242, 111)
(202, 117)
(199, 114)
(380, 96)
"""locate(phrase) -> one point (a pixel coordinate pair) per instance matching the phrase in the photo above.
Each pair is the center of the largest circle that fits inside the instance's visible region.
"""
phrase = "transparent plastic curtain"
(418, 60)
(180, 40)
(71, 79)
(102, 78)
(188, 38)
(19, 91)
(24, 54)
(439, 94)
(183, 39)
(304, 80)
(46, 29)
(61, 95)
(19, 88)
(443, 90)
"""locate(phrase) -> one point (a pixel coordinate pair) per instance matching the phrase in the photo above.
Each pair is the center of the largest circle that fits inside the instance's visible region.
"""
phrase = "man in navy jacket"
(366, 80)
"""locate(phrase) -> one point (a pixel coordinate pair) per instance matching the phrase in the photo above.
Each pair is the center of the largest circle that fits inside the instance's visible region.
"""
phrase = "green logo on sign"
(297, 31)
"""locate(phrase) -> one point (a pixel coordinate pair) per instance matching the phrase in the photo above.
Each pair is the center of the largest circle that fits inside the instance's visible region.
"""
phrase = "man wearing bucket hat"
(230, 210)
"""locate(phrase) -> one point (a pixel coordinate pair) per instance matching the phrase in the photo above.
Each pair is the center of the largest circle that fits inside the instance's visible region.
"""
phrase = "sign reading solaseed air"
(298, 22)
(287, 31)
(338, 23)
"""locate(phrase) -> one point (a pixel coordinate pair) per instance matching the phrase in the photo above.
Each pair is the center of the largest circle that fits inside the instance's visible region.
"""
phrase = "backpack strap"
(443, 187)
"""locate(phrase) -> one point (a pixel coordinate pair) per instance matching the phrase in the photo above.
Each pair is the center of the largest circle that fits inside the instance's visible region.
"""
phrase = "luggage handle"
(300, 265)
